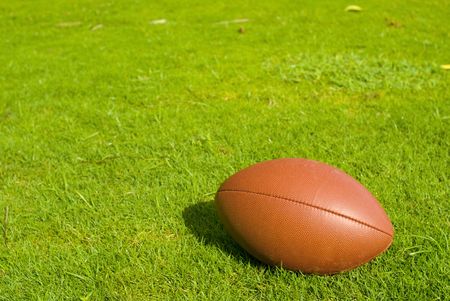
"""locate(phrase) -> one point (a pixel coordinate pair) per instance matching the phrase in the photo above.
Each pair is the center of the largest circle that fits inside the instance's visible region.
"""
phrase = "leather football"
(303, 215)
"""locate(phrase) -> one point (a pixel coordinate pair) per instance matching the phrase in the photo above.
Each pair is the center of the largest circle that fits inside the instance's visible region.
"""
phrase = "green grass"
(114, 140)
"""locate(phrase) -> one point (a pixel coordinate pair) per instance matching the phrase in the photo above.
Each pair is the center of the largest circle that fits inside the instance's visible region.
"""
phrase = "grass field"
(115, 133)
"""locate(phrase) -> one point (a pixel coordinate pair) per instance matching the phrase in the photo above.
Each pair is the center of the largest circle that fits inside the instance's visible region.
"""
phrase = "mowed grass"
(115, 134)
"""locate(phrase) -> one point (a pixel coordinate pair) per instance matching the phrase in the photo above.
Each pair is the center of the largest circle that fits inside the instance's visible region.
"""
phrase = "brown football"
(303, 215)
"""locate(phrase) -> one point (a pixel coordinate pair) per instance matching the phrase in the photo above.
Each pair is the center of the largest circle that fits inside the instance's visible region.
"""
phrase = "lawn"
(116, 130)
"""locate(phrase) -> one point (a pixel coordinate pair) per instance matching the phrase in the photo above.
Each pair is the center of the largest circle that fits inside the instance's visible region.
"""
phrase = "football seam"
(308, 205)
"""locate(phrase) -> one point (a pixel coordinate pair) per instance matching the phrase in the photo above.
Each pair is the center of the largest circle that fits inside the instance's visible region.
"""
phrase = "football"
(303, 215)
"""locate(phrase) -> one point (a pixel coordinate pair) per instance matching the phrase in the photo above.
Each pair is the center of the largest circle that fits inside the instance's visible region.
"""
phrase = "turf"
(116, 132)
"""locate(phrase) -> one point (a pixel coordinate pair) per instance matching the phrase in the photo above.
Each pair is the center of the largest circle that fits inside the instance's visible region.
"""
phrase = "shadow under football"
(203, 222)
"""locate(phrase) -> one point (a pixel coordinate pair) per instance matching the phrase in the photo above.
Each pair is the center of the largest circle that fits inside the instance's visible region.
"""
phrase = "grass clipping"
(353, 8)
